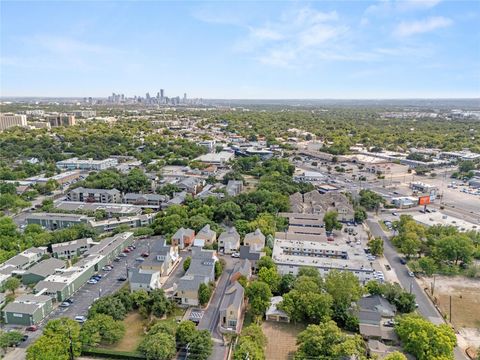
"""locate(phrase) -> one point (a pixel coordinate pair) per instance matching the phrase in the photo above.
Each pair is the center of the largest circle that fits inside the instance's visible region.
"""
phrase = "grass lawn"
(133, 334)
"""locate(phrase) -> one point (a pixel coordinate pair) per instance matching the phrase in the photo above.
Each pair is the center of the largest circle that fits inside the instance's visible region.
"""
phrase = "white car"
(411, 274)
(92, 281)
(80, 319)
(235, 255)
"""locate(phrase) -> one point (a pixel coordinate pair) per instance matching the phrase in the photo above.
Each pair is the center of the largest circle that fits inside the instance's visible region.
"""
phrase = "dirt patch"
(465, 304)
(282, 339)
(133, 333)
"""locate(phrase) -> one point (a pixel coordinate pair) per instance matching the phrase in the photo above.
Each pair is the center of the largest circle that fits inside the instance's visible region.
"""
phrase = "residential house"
(375, 315)
(253, 256)
(183, 238)
(161, 258)
(201, 271)
(256, 240)
(103, 196)
(234, 187)
(274, 313)
(191, 185)
(241, 268)
(143, 279)
(229, 241)
(207, 234)
(231, 309)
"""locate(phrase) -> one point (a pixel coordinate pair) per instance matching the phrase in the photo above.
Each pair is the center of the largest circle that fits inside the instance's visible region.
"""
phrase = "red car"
(126, 250)
(145, 255)
(32, 328)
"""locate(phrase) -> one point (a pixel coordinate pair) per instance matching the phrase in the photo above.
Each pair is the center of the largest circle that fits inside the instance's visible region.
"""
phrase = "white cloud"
(388, 7)
(294, 37)
(409, 28)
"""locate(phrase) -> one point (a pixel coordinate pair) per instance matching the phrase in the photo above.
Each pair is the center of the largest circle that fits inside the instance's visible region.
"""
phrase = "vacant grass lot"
(133, 334)
(282, 339)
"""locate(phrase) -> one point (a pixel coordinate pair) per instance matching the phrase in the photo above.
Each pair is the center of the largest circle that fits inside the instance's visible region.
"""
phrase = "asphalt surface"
(425, 306)
(211, 316)
(88, 293)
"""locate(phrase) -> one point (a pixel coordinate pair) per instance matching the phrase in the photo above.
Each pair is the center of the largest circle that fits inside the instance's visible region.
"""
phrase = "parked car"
(92, 281)
(32, 328)
(145, 254)
(411, 274)
(122, 255)
(394, 214)
(117, 259)
(80, 319)
(64, 304)
(107, 268)
(403, 261)
(122, 278)
(235, 255)
(140, 259)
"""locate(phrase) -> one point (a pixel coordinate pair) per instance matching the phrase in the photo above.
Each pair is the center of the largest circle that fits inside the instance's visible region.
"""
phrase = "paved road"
(212, 314)
(425, 306)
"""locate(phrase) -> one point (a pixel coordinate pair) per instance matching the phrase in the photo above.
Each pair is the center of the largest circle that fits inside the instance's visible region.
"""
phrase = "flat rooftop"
(438, 218)
(112, 208)
(309, 253)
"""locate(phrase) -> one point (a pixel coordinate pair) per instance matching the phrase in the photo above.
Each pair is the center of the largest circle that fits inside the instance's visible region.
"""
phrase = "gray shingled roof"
(46, 267)
(95, 191)
(139, 276)
(233, 296)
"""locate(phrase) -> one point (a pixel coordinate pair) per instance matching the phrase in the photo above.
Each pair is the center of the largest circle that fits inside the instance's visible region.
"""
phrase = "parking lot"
(88, 293)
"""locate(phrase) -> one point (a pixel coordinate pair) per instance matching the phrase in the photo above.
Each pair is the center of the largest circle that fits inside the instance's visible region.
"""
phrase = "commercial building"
(61, 178)
(54, 221)
(219, 159)
(315, 203)
(103, 196)
(291, 255)
(89, 164)
(85, 113)
(27, 310)
(111, 210)
(11, 120)
(61, 120)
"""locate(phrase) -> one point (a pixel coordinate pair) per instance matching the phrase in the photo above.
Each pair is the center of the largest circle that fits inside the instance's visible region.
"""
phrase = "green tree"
(428, 266)
(259, 296)
(159, 346)
(396, 355)
(376, 246)
(219, 268)
(12, 284)
(201, 345)
(108, 305)
(286, 283)
(266, 262)
(360, 214)
(185, 332)
(455, 248)
(271, 277)
(326, 341)
(425, 340)
(101, 328)
(370, 200)
(10, 338)
(405, 302)
(331, 221)
(186, 263)
(204, 294)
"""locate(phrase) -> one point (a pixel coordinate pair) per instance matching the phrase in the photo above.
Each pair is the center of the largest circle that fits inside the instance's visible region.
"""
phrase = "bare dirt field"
(465, 297)
(282, 339)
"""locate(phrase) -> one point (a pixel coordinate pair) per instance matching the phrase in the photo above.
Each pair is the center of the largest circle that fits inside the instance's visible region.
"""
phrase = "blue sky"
(225, 49)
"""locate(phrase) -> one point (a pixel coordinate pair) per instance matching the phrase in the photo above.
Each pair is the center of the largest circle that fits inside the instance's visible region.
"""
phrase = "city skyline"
(262, 50)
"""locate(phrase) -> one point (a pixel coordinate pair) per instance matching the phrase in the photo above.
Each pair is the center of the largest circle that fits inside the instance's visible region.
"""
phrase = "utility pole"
(186, 349)
(450, 308)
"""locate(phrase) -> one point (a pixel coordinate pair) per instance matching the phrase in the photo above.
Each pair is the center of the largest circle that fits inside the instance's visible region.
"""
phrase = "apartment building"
(27, 309)
(56, 120)
(145, 201)
(88, 164)
(54, 221)
(103, 196)
(11, 120)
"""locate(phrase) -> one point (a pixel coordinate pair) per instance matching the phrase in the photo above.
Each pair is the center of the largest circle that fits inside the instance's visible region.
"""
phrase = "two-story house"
(229, 241)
